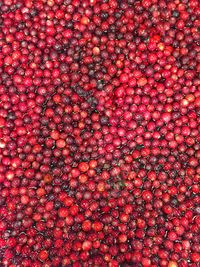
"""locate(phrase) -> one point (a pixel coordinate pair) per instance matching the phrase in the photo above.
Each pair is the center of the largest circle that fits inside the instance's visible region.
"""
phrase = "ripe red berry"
(43, 255)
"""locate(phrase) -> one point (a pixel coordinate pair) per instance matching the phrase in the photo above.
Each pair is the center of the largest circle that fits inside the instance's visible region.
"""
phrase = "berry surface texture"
(99, 133)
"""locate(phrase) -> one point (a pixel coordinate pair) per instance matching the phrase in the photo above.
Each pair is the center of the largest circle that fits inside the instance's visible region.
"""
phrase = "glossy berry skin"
(99, 133)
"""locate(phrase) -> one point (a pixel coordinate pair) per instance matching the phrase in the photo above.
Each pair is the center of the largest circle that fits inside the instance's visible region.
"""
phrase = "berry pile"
(99, 133)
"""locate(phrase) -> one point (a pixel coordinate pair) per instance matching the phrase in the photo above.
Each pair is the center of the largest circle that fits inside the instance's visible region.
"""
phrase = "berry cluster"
(99, 133)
